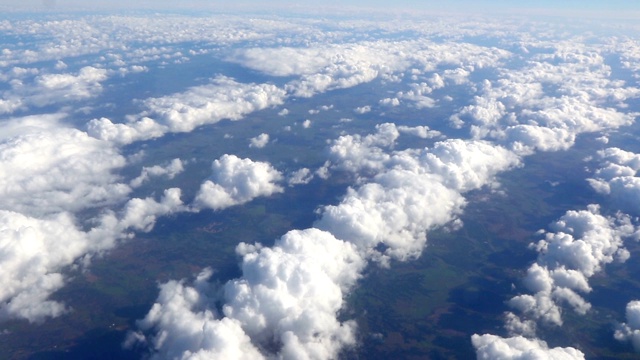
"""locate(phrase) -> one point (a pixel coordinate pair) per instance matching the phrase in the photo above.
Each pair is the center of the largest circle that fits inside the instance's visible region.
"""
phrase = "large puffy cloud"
(581, 244)
(236, 181)
(618, 177)
(460, 165)
(630, 331)
(223, 98)
(35, 251)
(396, 211)
(289, 296)
(421, 189)
(520, 348)
(293, 291)
(453, 167)
(51, 174)
(32, 251)
(47, 167)
(195, 331)
(47, 89)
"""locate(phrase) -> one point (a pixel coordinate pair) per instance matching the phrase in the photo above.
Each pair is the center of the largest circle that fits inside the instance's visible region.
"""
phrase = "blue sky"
(564, 7)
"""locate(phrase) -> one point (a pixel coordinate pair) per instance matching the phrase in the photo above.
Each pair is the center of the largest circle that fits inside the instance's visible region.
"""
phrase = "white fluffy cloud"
(236, 181)
(47, 89)
(618, 177)
(47, 167)
(520, 348)
(195, 332)
(420, 131)
(50, 173)
(289, 295)
(36, 250)
(630, 331)
(364, 153)
(259, 141)
(300, 176)
(338, 66)
(33, 251)
(172, 169)
(521, 111)
(293, 291)
(581, 244)
(387, 210)
(223, 98)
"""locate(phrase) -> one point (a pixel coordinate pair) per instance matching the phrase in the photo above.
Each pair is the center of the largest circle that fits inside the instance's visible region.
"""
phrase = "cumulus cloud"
(223, 98)
(289, 296)
(50, 173)
(520, 348)
(337, 66)
(581, 244)
(236, 181)
(420, 131)
(36, 250)
(630, 331)
(47, 89)
(618, 177)
(390, 102)
(259, 141)
(362, 109)
(301, 176)
(172, 169)
(48, 167)
(386, 210)
(141, 214)
(194, 330)
(418, 95)
(516, 109)
(389, 212)
(364, 153)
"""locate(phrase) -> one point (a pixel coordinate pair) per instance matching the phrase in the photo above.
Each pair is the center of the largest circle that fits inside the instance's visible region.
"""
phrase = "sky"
(542, 7)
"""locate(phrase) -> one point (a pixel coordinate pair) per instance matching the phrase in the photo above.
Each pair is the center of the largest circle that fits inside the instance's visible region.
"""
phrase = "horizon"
(612, 9)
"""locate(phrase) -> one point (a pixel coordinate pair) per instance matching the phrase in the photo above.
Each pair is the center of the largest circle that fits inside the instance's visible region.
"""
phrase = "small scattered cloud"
(175, 167)
(259, 141)
(301, 176)
(420, 131)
